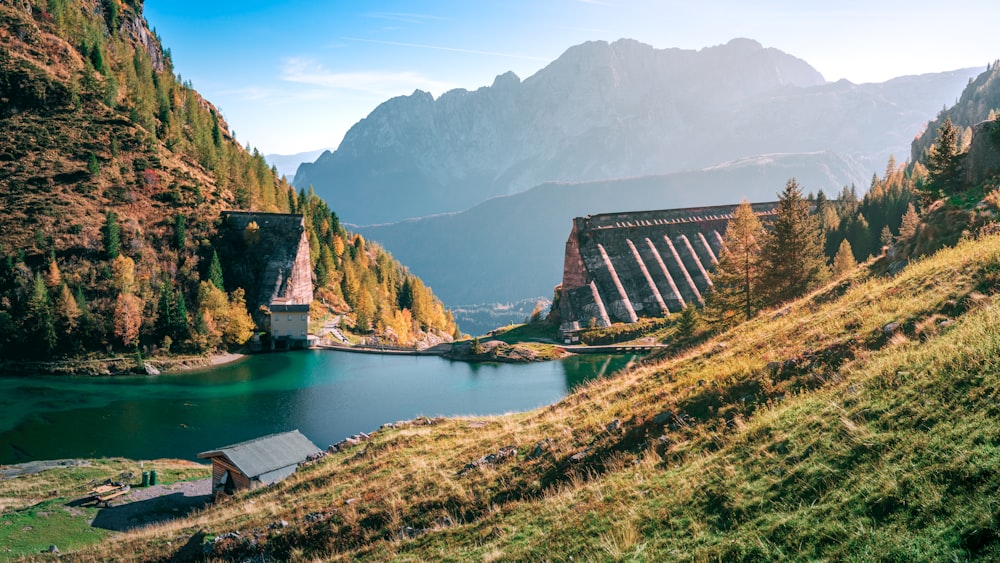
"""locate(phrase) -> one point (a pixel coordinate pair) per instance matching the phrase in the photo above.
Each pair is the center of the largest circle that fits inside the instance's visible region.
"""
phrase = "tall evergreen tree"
(180, 330)
(215, 272)
(180, 231)
(111, 235)
(39, 321)
(736, 282)
(793, 250)
(944, 158)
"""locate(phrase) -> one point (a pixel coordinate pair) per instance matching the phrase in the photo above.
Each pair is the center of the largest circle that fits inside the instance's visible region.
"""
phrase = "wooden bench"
(104, 494)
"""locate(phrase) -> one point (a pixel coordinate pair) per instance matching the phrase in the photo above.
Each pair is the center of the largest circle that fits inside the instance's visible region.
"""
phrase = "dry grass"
(837, 450)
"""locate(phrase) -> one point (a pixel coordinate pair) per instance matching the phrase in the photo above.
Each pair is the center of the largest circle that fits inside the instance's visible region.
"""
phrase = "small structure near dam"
(620, 267)
(268, 255)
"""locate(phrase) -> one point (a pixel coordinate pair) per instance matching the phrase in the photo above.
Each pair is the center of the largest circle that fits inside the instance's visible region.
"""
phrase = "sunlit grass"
(808, 434)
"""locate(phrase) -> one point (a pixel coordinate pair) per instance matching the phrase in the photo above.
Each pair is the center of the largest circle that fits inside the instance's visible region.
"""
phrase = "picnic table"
(105, 493)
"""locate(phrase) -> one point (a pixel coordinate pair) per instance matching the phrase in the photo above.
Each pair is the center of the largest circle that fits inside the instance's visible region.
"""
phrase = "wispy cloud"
(450, 49)
(404, 17)
(380, 83)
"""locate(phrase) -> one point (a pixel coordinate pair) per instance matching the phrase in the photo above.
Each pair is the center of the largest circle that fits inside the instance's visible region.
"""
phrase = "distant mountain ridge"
(603, 111)
(511, 247)
(287, 164)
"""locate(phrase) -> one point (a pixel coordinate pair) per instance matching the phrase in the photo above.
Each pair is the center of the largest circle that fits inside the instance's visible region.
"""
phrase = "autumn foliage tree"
(127, 319)
(736, 292)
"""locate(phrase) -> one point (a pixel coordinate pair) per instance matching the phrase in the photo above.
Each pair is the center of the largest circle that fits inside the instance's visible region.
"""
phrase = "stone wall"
(273, 265)
(620, 267)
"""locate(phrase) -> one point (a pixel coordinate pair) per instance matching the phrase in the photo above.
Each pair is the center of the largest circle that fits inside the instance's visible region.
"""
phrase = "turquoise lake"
(326, 395)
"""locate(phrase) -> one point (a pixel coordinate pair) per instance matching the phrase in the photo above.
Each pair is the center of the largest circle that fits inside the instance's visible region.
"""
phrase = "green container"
(152, 477)
(145, 478)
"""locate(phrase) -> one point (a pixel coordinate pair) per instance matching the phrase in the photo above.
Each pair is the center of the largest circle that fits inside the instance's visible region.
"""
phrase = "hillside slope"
(605, 111)
(114, 173)
(859, 422)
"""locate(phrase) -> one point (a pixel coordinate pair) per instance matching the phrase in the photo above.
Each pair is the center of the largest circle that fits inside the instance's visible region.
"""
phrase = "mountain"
(979, 101)
(511, 247)
(604, 111)
(113, 179)
(287, 164)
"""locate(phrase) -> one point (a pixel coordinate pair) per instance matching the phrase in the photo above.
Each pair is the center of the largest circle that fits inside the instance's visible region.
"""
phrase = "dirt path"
(160, 503)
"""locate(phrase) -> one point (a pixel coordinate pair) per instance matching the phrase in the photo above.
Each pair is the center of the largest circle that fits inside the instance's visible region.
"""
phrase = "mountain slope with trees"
(115, 173)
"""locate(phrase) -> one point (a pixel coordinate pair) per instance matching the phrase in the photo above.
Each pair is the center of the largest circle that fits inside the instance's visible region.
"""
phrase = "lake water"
(326, 395)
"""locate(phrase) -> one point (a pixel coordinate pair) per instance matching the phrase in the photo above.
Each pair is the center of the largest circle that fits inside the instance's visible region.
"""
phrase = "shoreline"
(119, 366)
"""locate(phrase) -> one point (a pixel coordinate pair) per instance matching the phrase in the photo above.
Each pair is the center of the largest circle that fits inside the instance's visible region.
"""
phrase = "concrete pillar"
(649, 279)
(630, 315)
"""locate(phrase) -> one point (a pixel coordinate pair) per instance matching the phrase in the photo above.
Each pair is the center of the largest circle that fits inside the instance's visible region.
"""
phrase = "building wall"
(219, 468)
(291, 325)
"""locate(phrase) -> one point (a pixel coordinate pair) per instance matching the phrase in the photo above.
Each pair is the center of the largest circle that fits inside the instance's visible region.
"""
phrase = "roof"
(289, 308)
(267, 453)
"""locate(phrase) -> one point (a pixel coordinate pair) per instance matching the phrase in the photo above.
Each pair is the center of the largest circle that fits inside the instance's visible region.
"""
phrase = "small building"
(258, 462)
(289, 325)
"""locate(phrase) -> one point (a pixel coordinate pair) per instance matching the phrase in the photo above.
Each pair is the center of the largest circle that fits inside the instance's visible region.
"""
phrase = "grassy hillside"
(859, 422)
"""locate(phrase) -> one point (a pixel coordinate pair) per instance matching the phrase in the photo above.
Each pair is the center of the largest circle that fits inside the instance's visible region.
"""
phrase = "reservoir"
(326, 395)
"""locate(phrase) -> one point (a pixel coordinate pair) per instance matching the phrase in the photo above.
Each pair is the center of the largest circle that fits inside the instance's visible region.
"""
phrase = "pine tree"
(67, 311)
(910, 224)
(215, 271)
(127, 319)
(111, 235)
(844, 261)
(93, 167)
(944, 158)
(688, 322)
(39, 323)
(180, 232)
(179, 329)
(793, 250)
(736, 288)
(886, 237)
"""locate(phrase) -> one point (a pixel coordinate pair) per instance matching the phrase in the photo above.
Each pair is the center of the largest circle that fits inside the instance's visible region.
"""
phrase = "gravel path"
(147, 505)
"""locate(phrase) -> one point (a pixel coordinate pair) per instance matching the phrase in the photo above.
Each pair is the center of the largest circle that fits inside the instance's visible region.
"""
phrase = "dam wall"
(620, 267)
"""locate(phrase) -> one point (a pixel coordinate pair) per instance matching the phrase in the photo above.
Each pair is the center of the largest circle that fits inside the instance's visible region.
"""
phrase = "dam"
(620, 267)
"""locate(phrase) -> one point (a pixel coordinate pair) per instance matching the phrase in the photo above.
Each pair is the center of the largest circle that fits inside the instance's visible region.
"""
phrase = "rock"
(580, 456)
(663, 418)
(53, 549)
(151, 369)
(490, 459)
(613, 425)
(773, 367)
(781, 313)
(891, 328)
(332, 448)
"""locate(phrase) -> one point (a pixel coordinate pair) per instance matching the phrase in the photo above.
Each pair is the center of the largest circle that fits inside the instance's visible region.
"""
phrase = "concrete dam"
(620, 267)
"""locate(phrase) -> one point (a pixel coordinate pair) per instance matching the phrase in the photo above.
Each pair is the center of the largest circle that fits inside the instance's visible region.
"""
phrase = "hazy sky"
(292, 76)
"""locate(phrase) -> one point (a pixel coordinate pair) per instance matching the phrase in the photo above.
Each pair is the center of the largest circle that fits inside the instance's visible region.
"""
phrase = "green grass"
(32, 530)
(810, 435)
(516, 334)
(35, 511)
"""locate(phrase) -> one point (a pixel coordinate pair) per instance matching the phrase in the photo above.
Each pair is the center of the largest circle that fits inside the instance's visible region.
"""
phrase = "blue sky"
(293, 76)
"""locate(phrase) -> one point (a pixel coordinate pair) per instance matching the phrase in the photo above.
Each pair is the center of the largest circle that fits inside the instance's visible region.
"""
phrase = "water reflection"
(326, 395)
